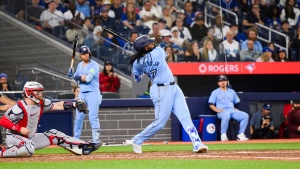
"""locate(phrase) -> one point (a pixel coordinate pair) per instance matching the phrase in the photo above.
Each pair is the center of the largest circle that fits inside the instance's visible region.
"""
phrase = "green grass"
(165, 163)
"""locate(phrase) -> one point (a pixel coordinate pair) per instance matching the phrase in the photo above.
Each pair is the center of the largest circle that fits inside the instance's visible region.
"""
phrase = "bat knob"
(70, 73)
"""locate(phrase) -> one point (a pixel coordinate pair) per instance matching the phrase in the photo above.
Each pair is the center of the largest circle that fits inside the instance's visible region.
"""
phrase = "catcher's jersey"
(155, 66)
(28, 119)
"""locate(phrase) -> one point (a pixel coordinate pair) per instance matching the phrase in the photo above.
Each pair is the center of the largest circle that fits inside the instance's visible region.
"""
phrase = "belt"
(164, 84)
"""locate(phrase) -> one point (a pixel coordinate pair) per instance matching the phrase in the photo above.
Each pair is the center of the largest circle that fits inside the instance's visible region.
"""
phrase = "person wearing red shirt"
(109, 81)
(293, 119)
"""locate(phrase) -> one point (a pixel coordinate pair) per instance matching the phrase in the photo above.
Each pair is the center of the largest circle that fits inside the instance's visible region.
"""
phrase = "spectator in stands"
(244, 6)
(33, 13)
(172, 7)
(285, 30)
(231, 47)
(273, 17)
(166, 36)
(51, 17)
(189, 14)
(183, 43)
(72, 12)
(210, 35)
(184, 32)
(249, 54)
(220, 29)
(290, 15)
(96, 10)
(180, 14)
(118, 8)
(162, 25)
(167, 17)
(6, 103)
(239, 37)
(156, 8)
(293, 119)
(76, 91)
(84, 8)
(106, 20)
(109, 80)
(296, 46)
(107, 4)
(87, 27)
(5, 86)
(255, 121)
(129, 48)
(130, 18)
(252, 35)
(224, 102)
(281, 56)
(266, 56)
(63, 7)
(198, 30)
(94, 42)
(136, 9)
(262, 6)
(207, 52)
(155, 33)
(74, 30)
(192, 54)
(264, 131)
(147, 16)
(230, 5)
(171, 56)
(272, 47)
(254, 16)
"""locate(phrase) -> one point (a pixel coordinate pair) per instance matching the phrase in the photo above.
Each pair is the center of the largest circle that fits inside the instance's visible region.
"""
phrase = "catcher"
(22, 119)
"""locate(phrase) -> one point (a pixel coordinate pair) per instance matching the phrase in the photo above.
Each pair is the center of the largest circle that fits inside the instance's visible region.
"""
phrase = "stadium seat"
(110, 95)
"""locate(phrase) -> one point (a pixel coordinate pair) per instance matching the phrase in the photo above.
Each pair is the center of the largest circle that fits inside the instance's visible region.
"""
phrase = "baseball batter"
(166, 96)
(222, 101)
(22, 119)
(87, 74)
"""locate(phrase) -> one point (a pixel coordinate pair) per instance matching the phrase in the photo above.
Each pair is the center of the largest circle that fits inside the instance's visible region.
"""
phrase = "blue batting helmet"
(84, 50)
(141, 42)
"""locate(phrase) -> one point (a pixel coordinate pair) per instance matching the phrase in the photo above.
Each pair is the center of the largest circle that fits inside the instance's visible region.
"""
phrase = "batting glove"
(71, 73)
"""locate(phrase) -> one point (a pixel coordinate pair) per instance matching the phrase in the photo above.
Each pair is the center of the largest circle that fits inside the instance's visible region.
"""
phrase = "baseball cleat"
(224, 137)
(200, 149)
(137, 148)
(242, 137)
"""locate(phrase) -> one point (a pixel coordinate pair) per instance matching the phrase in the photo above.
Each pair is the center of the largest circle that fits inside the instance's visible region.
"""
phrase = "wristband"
(78, 78)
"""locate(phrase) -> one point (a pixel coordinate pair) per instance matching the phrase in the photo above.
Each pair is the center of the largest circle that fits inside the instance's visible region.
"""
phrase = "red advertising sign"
(245, 68)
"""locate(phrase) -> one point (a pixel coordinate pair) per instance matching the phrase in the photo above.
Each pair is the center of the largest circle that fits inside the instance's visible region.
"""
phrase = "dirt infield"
(282, 155)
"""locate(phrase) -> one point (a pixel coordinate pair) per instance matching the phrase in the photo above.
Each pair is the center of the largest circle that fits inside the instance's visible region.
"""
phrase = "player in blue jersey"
(223, 101)
(166, 96)
(87, 74)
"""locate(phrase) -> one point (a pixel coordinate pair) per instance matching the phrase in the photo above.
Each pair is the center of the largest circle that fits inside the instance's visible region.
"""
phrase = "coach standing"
(87, 73)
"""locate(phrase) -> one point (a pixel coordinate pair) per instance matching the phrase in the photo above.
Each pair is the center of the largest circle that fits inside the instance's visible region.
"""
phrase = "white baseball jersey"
(52, 18)
(231, 48)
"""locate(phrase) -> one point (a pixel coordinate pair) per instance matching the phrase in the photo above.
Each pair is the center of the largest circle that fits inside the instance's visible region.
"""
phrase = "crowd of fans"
(181, 26)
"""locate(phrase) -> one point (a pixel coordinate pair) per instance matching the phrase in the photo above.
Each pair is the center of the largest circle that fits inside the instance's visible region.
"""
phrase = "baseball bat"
(74, 50)
(109, 30)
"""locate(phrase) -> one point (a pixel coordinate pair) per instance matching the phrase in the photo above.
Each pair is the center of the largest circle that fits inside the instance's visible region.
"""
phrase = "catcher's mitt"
(81, 106)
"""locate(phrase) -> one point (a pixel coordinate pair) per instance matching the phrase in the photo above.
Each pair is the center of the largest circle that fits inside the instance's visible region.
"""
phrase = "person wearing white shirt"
(148, 16)
(51, 18)
(72, 12)
(183, 43)
(231, 46)
(184, 32)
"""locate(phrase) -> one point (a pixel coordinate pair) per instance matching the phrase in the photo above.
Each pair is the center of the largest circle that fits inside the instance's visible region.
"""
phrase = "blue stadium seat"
(108, 54)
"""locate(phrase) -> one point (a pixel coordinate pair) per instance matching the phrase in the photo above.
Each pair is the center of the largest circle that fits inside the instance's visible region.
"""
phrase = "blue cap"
(281, 50)
(267, 49)
(3, 75)
(103, 8)
(267, 106)
(84, 50)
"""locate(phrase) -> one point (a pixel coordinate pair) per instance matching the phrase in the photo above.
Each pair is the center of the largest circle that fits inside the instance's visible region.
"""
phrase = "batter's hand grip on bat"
(71, 73)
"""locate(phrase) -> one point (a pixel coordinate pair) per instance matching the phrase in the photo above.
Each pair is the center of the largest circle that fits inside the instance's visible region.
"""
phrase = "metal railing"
(270, 31)
(210, 5)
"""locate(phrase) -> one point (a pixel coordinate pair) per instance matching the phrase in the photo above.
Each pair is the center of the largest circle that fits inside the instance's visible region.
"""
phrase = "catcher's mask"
(29, 89)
